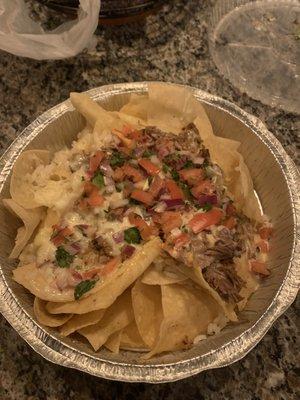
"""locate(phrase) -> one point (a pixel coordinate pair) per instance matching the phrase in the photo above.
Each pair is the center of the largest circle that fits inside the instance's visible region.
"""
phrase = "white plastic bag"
(22, 36)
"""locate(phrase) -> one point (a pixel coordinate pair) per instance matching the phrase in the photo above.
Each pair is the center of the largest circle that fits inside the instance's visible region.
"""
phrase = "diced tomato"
(170, 220)
(192, 176)
(126, 141)
(259, 267)
(230, 209)
(266, 232)
(263, 246)
(127, 129)
(181, 240)
(145, 230)
(95, 199)
(95, 161)
(148, 166)
(142, 196)
(128, 188)
(119, 174)
(109, 267)
(174, 190)
(204, 187)
(59, 238)
(133, 173)
(202, 221)
(230, 222)
(156, 186)
(89, 187)
(102, 270)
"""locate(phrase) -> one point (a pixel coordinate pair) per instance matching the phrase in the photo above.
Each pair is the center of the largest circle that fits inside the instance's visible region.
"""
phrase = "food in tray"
(146, 233)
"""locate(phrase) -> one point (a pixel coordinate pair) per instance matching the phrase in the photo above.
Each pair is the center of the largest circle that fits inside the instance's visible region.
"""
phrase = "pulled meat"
(224, 279)
(226, 247)
(102, 246)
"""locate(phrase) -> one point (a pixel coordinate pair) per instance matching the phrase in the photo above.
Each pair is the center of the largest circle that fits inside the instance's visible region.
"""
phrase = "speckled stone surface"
(170, 46)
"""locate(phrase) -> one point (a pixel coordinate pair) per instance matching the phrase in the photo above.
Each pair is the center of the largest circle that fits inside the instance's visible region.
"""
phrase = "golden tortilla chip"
(251, 281)
(40, 284)
(131, 338)
(163, 272)
(147, 308)
(80, 321)
(21, 188)
(113, 342)
(237, 177)
(117, 317)
(102, 296)
(30, 219)
(187, 313)
(42, 315)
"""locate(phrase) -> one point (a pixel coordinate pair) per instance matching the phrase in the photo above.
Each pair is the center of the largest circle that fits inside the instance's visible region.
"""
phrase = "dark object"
(112, 11)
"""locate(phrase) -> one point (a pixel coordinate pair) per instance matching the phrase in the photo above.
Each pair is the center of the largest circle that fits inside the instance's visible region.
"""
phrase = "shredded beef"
(224, 279)
(102, 246)
(226, 247)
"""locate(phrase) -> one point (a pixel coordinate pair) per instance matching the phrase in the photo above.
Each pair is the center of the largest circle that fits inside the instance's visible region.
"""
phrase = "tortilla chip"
(38, 283)
(103, 295)
(237, 177)
(147, 308)
(195, 274)
(163, 272)
(187, 313)
(113, 342)
(30, 219)
(117, 317)
(137, 106)
(21, 189)
(42, 315)
(80, 321)
(131, 338)
(242, 269)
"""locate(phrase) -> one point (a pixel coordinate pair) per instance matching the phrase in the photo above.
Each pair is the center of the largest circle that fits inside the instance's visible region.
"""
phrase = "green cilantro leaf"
(98, 180)
(83, 287)
(63, 258)
(132, 235)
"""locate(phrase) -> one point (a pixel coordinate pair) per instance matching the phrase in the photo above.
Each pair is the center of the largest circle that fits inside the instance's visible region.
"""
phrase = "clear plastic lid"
(256, 45)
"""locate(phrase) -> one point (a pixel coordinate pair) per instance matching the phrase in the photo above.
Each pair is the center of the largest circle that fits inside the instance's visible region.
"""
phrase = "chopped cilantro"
(186, 190)
(63, 258)
(132, 235)
(117, 159)
(206, 207)
(83, 287)
(98, 179)
(166, 168)
(184, 229)
(175, 175)
(188, 164)
(133, 201)
(148, 153)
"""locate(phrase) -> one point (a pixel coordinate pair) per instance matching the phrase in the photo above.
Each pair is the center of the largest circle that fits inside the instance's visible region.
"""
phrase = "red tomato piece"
(156, 186)
(202, 221)
(148, 166)
(145, 230)
(230, 222)
(95, 161)
(192, 176)
(133, 173)
(259, 267)
(181, 240)
(204, 187)
(174, 190)
(170, 220)
(142, 196)
(266, 232)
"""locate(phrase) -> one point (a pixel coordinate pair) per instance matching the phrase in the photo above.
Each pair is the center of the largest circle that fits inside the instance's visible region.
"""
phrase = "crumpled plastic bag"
(22, 36)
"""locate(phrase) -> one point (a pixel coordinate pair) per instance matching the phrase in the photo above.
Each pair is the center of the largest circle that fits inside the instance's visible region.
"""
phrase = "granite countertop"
(170, 46)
